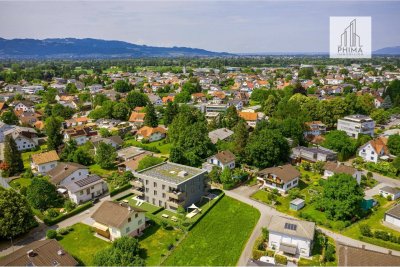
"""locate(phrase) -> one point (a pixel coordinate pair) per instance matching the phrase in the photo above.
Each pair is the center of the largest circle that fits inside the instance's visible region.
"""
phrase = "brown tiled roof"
(380, 144)
(352, 256)
(45, 253)
(114, 214)
(167, 99)
(62, 170)
(286, 172)
(137, 117)
(147, 131)
(248, 116)
(133, 164)
(339, 168)
(225, 156)
(45, 157)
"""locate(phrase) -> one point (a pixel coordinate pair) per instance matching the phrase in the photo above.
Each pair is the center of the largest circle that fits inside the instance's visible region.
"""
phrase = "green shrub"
(258, 254)
(61, 217)
(281, 259)
(365, 230)
(63, 231)
(52, 213)
(69, 205)
(51, 234)
(120, 189)
(330, 253)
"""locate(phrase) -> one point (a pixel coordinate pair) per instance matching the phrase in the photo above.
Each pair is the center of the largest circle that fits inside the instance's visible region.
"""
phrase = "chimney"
(30, 253)
(60, 252)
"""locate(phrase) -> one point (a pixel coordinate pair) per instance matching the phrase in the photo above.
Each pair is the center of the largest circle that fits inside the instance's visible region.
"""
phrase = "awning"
(193, 206)
(100, 226)
(62, 190)
(288, 248)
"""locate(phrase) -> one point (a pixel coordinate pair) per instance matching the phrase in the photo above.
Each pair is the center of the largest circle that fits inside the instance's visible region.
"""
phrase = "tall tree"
(42, 194)
(170, 112)
(340, 142)
(136, 99)
(120, 111)
(16, 216)
(151, 117)
(12, 157)
(122, 86)
(105, 155)
(9, 117)
(231, 117)
(394, 144)
(53, 132)
(240, 137)
(387, 103)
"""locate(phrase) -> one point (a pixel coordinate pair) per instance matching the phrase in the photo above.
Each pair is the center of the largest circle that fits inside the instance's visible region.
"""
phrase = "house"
(25, 138)
(378, 100)
(388, 191)
(237, 103)
(167, 99)
(114, 220)
(80, 134)
(170, 185)
(281, 178)
(155, 99)
(354, 125)
(223, 159)
(312, 154)
(392, 216)
(137, 118)
(151, 134)
(291, 236)
(332, 168)
(251, 118)
(356, 256)
(297, 204)
(212, 117)
(115, 141)
(86, 189)
(44, 162)
(39, 253)
(67, 172)
(23, 105)
(314, 128)
(222, 134)
(374, 150)
(130, 157)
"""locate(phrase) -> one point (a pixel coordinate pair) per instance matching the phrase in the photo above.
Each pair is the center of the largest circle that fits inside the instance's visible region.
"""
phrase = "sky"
(229, 26)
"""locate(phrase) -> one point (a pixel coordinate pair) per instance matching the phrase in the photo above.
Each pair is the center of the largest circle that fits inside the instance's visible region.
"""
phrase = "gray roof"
(84, 183)
(130, 152)
(394, 212)
(171, 172)
(297, 201)
(303, 229)
(63, 170)
(391, 190)
(219, 134)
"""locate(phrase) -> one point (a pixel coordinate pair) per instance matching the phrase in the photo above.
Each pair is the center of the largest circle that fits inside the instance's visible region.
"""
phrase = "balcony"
(137, 183)
(174, 204)
(137, 192)
(176, 195)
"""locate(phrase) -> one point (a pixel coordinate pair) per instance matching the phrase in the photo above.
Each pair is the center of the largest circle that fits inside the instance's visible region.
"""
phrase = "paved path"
(243, 194)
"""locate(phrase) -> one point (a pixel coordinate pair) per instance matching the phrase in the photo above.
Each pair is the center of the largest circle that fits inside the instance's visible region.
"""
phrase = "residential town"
(234, 162)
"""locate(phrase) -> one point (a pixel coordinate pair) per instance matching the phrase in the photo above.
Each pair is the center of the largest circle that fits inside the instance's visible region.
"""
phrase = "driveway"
(375, 190)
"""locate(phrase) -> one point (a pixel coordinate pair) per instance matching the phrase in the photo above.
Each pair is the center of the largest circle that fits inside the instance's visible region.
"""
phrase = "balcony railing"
(176, 195)
(137, 192)
(174, 204)
(137, 183)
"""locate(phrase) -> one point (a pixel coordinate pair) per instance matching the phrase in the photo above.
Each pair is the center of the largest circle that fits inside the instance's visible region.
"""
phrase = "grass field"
(22, 182)
(82, 244)
(164, 148)
(155, 242)
(96, 169)
(219, 238)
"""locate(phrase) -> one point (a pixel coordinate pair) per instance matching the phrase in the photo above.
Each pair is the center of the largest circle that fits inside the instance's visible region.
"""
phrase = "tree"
(341, 197)
(149, 161)
(120, 111)
(16, 216)
(214, 174)
(270, 105)
(230, 118)
(259, 95)
(105, 155)
(53, 132)
(59, 110)
(82, 156)
(71, 88)
(124, 251)
(136, 99)
(394, 144)
(306, 73)
(340, 142)
(393, 91)
(380, 116)
(226, 177)
(240, 137)
(117, 180)
(396, 164)
(266, 148)
(12, 157)
(387, 103)
(67, 153)
(151, 117)
(42, 194)
(182, 97)
(122, 86)
(170, 112)
(9, 117)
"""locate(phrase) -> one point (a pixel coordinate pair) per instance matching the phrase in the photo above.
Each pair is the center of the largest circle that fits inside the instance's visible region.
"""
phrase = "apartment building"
(354, 125)
(170, 185)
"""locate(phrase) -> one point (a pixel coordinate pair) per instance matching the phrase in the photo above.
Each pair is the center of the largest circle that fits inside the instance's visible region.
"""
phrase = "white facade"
(23, 107)
(75, 176)
(385, 194)
(281, 188)
(356, 175)
(356, 124)
(303, 245)
(80, 139)
(24, 143)
(214, 161)
(132, 227)
(393, 220)
(368, 153)
(44, 167)
(88, 193)
(153, 137)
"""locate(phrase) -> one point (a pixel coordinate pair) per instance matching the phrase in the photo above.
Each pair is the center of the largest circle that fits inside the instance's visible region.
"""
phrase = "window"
(295, 182)
(140, 222)
(92, 187)
(160, 203)
(163, 186)
(129, 219)
(372, 158)
(155, 184)
(155, 192)
(147, 181)
(372, 152)
(136, 215)
(73, 178)
(79, 173)
(163, 195)
(147, 190)
(81, 192)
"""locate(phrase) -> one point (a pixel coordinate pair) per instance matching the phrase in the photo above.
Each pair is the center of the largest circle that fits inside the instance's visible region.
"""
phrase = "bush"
(257, 254)
(51, 234)
(329, 253)
(61, 217)
(63, 231)
(265, 233)
(389, 198)
(120, 189)
(69, 205)
(281, 259)
(22, 191)
(52, 213)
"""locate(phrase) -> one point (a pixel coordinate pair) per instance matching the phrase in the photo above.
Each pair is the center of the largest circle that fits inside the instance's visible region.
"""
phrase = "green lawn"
(155, 242)
(219, 238)
(145, 206)
(82, 244)
(20, 182)
(96, 169)
(26, 156)
(164, 148)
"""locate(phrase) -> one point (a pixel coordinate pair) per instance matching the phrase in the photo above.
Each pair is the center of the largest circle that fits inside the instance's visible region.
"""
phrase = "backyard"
(164, 148)
(82, 244)
(219, 238)
(26, 156)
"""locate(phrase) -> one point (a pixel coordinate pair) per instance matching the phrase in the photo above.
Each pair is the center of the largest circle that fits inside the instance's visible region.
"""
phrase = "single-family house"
(388, 191)
(23, 105)
(392, 216)
(281, 178)
(151, 134)
(223, 159)
(374, 150)
(222, 134)
(251, 118)
(114, 220)
(115, 141)
(67, 172)
(314, 128)
(332, 168)
(86, 189)
(137, 118)
(312, 154)
(44, 162)
(25, 138)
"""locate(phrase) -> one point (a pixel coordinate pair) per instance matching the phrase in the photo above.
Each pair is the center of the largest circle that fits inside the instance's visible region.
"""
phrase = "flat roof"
(172, 172)
(357, 118)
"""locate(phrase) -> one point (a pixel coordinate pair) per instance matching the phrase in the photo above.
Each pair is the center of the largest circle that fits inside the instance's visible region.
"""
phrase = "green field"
(164, 148)
(96, 169)
(219, 238)
(20, 182)
(82, 244)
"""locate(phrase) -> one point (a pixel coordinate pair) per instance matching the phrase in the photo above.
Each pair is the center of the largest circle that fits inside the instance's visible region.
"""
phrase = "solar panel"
(291, 226)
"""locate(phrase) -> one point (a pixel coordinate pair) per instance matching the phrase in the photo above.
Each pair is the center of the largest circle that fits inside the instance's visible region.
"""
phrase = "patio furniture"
(125, 201)
(165, 215)
(174, 219)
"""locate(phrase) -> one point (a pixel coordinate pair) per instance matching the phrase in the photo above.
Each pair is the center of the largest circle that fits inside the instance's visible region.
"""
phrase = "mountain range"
(64, 48)
(92, 48)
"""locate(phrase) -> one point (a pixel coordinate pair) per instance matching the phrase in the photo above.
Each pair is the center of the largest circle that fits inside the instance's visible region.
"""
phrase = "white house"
(151, 134)
(387, 191)
(44, 162)
(281, 178)
(374, 149)
(223, 159)
(354, 125)
(23, 106)
(86, 189)
(25, 138)
(332, 168)
(67, 172)
(314, 128)
(392, 216)
(114, 220)
(291, 236)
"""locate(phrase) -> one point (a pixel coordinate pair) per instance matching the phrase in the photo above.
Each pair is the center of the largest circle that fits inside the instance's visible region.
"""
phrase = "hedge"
(281, 259)
(79, 209)
(120, 189)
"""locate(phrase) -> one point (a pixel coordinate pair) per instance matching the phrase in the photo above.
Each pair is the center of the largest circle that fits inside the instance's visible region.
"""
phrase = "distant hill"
(92, 48)
(394, 50)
